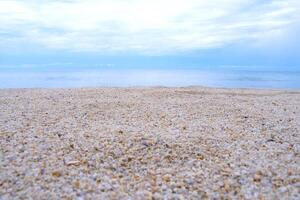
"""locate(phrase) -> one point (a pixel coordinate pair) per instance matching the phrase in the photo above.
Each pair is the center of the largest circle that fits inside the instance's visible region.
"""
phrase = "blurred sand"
(139, 143)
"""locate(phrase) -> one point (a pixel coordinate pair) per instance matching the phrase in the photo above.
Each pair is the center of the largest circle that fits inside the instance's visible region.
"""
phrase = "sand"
(149, 143)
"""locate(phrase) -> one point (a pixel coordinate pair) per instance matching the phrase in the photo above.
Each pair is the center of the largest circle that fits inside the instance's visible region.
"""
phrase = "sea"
(27, 76)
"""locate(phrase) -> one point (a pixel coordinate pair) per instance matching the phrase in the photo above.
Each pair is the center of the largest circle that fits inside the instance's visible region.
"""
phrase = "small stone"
(129, 159)
(98, 181)
(166, 178)
(226, 186)
(190, 181)
(123, 164)
(200, 157)
(257, 177)
(76, 184)
(56, 173)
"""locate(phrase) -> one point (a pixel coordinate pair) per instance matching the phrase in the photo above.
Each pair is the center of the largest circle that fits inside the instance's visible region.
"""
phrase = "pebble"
(56, 173)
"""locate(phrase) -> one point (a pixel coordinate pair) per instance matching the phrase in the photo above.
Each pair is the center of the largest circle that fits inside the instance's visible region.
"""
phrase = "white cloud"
(143, 26)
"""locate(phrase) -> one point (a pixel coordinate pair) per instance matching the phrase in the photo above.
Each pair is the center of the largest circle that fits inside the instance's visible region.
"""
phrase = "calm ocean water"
(231, 77)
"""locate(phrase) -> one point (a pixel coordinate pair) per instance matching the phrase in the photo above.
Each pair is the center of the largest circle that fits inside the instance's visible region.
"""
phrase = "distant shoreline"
(152, 87)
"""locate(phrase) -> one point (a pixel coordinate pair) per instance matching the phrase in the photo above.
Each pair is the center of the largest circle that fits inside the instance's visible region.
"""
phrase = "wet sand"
(143, 143)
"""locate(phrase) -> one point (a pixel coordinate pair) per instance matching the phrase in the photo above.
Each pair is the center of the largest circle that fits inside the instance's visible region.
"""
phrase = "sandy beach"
(149, 143)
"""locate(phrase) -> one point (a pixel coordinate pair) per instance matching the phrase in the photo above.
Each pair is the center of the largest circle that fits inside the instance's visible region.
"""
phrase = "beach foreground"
(139, 143)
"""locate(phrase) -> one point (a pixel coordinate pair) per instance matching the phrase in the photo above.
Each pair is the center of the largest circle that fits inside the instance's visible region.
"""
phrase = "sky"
(150, 33)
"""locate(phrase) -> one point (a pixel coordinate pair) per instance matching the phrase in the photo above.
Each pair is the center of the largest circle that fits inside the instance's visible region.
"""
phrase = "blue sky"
(150, 33)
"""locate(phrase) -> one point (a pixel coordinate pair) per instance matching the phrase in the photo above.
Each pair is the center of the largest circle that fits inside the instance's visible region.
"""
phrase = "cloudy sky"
(198, 32)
